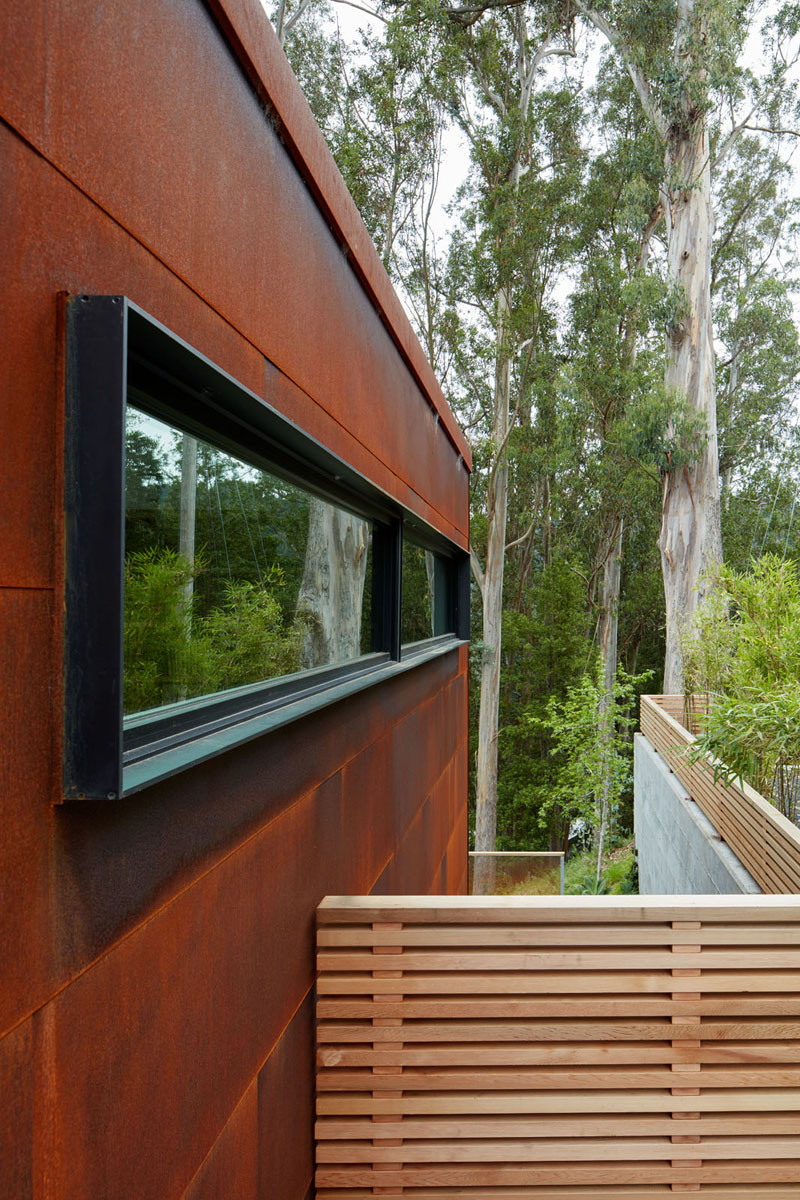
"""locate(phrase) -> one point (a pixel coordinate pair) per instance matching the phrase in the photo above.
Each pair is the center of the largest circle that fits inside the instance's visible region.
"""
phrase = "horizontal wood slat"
(718, 1191)
(564, 1049)
(764, 841)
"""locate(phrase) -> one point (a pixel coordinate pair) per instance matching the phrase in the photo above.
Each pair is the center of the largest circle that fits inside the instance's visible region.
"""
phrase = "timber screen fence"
(583, 1048)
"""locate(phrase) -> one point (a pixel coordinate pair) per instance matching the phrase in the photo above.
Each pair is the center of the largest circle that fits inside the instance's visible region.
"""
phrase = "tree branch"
(288, 26)
(369, 11)
(653, 112)
(518, 541)
(477, 571)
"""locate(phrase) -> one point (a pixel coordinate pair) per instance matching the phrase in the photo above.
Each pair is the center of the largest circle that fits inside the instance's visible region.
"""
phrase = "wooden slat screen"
(763, 839)
(584, 1048)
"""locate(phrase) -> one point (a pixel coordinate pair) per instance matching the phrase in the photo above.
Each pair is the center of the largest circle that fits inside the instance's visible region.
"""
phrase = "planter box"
(766, 843)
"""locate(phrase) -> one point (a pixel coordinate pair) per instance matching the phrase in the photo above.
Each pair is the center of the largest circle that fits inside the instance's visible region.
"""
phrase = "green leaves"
(743, 650)
(662, 431)
(171, 654)
(589, 744)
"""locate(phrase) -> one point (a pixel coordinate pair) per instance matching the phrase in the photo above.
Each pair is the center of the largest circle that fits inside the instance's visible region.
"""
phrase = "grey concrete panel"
(679, 850)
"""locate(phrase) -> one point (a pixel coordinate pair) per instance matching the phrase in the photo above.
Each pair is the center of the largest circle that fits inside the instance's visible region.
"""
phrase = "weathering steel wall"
(155, 988)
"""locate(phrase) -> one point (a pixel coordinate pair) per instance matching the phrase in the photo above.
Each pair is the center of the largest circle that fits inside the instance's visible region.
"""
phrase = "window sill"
(144, 766)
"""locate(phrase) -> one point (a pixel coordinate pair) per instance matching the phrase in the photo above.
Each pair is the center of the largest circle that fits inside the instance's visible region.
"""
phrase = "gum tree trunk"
(607, 636)
(331, 594)
(691, 539)
(490, 580)
(491, 584)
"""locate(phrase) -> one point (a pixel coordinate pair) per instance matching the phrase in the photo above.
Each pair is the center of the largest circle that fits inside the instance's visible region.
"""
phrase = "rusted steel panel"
(76, 249)
(369, 774)
(28, 414)
(116, 866)
(109, 871)
(243, 213)
(166, 945)
(457, 862)
(23, 38)
(230, 1170)
(165, 1032)
(259, 53)
(154, 1045)
(17, 1113)
(286, 1110)
(288, 398)
(29, 963)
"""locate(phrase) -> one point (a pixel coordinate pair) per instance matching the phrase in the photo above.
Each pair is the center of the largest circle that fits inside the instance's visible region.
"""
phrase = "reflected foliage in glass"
(426, 604)
(232, 576)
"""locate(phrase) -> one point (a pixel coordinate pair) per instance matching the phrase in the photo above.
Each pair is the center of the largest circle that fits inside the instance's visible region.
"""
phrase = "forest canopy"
(608, 294)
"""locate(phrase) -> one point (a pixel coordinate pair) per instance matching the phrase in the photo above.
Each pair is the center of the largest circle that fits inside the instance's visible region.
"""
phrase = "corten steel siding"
(156, 954)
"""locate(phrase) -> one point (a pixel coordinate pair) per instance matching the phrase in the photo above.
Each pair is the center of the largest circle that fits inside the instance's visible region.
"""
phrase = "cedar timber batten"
(684, 1048)
(394, 1024)
(580, 1048)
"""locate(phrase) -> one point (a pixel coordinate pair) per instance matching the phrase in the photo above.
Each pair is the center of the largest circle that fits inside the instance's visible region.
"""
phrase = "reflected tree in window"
(418, 599)
(330, 604)
(232, 576)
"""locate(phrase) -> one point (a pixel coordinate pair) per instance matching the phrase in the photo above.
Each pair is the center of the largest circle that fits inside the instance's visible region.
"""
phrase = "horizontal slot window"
(226, 573)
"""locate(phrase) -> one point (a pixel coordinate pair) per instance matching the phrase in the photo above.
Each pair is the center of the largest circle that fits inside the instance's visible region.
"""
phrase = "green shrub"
(172, 653)
(163, 662)
(742, 652)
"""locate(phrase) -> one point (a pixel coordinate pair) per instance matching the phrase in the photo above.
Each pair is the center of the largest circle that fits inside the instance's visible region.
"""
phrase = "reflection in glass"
(426, 609)
(231, 575)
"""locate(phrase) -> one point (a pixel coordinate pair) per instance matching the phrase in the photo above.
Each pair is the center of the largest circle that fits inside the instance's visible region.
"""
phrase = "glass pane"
(231, 575)
(518, 873)
(426, 608)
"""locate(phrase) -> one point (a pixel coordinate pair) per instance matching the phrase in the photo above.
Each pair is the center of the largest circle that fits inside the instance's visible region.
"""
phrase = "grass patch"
(618, 876)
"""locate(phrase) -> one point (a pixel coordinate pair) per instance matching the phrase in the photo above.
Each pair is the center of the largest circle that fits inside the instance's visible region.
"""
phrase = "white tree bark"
(330, 600)
(607, 636)
(483, 880)
(490, 580)
(430, 575)
(691, 535)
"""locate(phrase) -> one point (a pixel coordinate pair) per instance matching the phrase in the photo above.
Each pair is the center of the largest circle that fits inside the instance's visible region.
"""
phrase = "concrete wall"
(679, 850)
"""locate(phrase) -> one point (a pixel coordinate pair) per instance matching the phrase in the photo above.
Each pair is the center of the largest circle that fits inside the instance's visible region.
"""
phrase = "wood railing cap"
(549, 909)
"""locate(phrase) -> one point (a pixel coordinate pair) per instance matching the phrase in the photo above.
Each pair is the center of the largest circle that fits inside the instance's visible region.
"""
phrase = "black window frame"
(116, 353)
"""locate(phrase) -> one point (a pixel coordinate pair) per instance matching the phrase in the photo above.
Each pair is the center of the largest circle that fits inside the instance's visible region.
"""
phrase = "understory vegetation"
(172, 652)
(618, 875)
(742, 652)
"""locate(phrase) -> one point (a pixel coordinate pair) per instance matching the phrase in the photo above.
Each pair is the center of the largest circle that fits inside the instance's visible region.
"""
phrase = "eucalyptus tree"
(614, 366)
(685, 63)
(684, 58)
(520, 126)
(381, 109)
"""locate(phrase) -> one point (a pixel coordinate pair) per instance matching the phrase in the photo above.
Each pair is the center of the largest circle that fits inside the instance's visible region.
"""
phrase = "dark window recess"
(225, 572)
